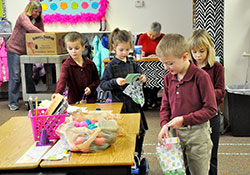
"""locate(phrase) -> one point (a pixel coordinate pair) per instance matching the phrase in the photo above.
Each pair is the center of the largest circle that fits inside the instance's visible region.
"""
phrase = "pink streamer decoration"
(74, 19)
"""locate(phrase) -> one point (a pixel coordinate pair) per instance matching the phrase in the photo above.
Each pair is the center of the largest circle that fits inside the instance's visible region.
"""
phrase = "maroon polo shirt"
(216, 73)
(77, 78)
(193, 97)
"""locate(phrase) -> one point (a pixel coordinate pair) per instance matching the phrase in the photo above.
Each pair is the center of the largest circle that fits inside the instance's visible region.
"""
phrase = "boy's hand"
(142, 78)
(121, 81)
(87, 91)
(175, 122)
(163, 132)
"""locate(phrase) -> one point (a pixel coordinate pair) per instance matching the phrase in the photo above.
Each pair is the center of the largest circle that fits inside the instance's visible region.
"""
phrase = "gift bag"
(135, 91)
(170, 156)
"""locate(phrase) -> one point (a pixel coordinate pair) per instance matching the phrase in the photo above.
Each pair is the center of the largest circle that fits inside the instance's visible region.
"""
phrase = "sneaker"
(13, 107)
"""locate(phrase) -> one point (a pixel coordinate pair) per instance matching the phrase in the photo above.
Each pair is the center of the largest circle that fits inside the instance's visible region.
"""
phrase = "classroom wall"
(175, 16)
(236, 41)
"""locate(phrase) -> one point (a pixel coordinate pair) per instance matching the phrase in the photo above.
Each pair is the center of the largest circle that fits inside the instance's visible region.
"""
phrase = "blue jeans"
(215, 125)
(14, 77)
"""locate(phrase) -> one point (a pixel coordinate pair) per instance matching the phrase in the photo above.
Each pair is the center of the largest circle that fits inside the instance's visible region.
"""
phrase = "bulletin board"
(73, 11)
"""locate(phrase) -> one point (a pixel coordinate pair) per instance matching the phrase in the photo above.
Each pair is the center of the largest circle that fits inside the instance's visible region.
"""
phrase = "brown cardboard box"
(48, 43)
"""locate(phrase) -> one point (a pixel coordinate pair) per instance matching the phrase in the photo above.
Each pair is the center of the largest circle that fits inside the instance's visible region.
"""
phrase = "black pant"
(215, 125)
(150, 95)
(30, 86)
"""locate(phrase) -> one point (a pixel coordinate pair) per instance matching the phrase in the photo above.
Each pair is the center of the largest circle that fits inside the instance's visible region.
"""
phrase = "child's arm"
(165, 111)
(219, 85)
(108, 82)
(62, 81)
(95, 80)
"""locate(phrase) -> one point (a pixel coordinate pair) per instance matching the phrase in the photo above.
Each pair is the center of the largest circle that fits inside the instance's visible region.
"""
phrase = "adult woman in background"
(30, 21)
(149, 41)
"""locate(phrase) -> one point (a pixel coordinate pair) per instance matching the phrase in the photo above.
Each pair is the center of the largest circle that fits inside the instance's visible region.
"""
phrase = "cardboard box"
(48, 43)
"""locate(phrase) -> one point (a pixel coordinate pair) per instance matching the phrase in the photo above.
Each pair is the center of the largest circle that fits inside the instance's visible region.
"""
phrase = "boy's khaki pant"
(197, 145)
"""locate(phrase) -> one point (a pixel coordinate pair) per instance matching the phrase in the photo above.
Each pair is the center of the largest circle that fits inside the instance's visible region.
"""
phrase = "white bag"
(170, 156)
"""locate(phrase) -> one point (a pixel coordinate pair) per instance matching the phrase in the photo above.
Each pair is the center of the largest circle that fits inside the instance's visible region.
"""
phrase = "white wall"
(236, 40)
(175, 16)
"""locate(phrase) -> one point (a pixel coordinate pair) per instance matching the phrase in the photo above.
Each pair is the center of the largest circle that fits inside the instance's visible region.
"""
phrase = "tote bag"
(170, 156)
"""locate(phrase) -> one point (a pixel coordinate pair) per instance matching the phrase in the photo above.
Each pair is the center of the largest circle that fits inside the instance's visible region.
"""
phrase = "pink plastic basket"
(49, 122)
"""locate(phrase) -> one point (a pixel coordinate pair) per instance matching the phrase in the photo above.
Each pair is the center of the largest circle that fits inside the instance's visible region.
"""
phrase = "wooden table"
(129, 122)
(16, 138)
(114, 107)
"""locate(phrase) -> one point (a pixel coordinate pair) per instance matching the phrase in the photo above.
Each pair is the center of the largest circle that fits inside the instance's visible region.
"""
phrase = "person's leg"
(215, 125)
(198, 149)
(146, 92)
(14, 79)
(153, 97)
(140, 137)
(30, 86)
(139, 142)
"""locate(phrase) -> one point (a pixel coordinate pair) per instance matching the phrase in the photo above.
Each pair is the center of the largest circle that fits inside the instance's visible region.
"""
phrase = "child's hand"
(163, 132)
(142, 78)
(175, 122)
(121, 81)
(87, 91)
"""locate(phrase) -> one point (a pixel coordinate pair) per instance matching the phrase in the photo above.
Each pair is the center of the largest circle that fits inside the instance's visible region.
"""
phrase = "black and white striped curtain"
(209, 15)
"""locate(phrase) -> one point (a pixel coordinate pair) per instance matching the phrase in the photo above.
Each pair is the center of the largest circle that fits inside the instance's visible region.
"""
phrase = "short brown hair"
(172, 44)
(74, 36)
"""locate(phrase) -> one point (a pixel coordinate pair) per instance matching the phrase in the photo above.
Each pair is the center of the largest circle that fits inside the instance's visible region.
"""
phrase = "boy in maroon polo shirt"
(79, 73)
(188, 102)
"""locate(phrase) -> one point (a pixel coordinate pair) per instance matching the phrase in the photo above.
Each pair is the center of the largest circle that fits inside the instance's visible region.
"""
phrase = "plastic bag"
(88, 132)
(170, 156)
(135, 91)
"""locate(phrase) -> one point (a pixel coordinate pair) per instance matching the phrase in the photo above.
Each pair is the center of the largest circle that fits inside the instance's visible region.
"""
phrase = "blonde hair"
(172, 44)
(34, 4)
(118, 36)
(200, 38)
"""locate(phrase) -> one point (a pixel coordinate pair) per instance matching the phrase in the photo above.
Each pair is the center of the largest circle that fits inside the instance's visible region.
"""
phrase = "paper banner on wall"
(73, 11)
